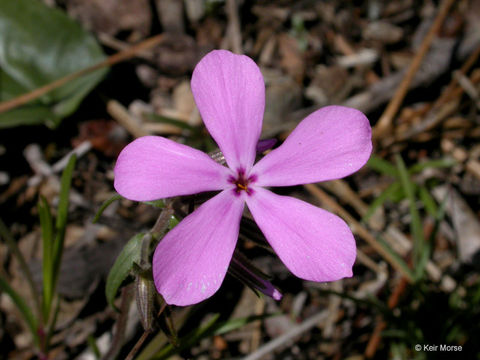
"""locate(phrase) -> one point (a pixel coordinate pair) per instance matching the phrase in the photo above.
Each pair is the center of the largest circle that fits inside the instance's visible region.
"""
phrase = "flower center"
(242, 182)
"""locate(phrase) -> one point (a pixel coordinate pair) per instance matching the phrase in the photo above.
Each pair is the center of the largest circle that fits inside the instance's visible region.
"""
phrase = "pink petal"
(230, 93)
(152, 168)
(191, 261)
(313, 243)
(331, 143)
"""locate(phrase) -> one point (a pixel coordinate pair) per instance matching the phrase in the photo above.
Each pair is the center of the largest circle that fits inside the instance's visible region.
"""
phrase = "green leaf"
(22, 307)
(130, 255)
(379, 200)
(234, 324)
(105, 205)
(189, 340)
(58, 241)
(382, 166)
(156, 203)
(397, 259)
(416, 224)
(39, 45)
(62, 211)
(428, 201)
(173, 222)
(440, 163)
(46, 223)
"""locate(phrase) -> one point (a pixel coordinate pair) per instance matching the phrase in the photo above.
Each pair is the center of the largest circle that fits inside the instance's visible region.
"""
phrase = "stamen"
(241, 182)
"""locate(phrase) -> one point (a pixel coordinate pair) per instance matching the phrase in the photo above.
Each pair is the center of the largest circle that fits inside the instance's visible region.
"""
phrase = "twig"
(384, 124)
(121, 114)
(283, 339)
(233, 31)
(468, 87)
(79, 151)
(112, 60)
(381, 325)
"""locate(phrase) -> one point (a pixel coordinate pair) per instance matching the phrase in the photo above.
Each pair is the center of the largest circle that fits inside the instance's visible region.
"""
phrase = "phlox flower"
(190, 262)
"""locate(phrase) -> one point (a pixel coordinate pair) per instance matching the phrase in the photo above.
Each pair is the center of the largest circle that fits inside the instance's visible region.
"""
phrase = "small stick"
(121, 114)
(111, 60)
(283, 339)
(381, 325)
(233, 30)
(384, 124)
(468, 87)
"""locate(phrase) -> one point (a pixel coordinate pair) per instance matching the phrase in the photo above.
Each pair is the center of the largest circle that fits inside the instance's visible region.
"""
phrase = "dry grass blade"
(384, 124)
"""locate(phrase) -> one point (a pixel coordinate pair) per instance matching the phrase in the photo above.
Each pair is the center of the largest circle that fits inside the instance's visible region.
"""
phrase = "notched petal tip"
(191, 261)
(331, 143)
(230, 94)
(314, 244)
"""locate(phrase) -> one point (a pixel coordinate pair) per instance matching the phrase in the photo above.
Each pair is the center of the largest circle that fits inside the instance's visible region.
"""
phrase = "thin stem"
(142, 339)
(137, 346)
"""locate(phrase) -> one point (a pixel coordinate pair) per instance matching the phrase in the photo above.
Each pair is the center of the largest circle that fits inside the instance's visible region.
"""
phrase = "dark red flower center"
(242, 182)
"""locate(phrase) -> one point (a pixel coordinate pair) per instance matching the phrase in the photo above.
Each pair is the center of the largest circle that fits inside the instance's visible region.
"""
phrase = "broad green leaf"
(21, 305)
(105, 205)
(130, 255)
(39, 45)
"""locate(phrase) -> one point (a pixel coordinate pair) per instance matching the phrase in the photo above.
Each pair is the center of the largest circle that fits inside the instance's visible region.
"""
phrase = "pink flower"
(191, 261)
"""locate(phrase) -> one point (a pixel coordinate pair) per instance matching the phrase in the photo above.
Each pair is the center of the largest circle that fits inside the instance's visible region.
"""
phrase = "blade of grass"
(60, 225)
(188, 340)
(440, 163)
(22, 307)
(386, 194)
(382, 166)
(428, 201)
(105, 205)
(12, 245)
(46, 224)
(398, 261)
(416, 223)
